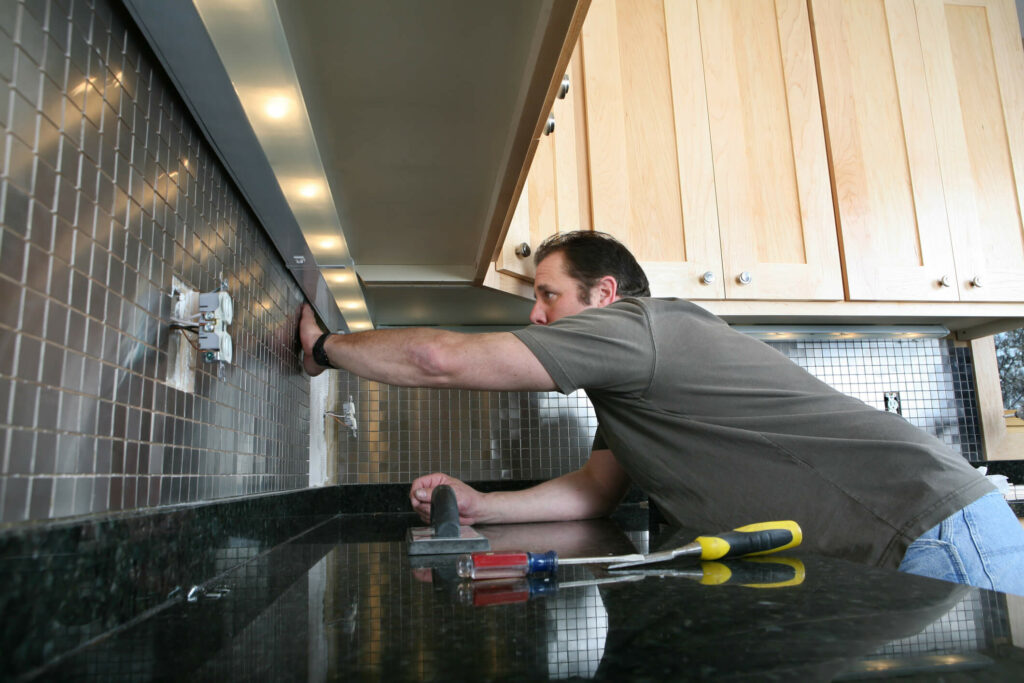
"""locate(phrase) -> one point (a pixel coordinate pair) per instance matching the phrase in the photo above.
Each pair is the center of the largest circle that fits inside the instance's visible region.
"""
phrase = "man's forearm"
(423, 357)
(571, 496)
(397, 357)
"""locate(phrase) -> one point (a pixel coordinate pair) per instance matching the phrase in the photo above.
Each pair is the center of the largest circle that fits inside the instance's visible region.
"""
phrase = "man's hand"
(470, 500)
(309, 332)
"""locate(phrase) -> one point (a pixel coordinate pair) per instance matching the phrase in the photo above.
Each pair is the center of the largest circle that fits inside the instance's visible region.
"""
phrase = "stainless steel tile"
(12, 256)
(63, 497)
(6, 47)
(82, 499)
(22, 447)
(29, 34)
(37, 273)
(29, 356)
(15, 499)
(40, 498)
(27, 76)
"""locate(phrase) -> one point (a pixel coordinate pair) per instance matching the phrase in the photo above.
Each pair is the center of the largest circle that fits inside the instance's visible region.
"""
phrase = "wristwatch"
(319, 355)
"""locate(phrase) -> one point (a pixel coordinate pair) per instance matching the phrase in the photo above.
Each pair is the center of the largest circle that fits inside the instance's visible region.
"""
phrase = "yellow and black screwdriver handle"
(753, 539)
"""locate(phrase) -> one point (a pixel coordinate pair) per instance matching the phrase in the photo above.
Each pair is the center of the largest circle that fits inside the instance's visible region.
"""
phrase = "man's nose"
(537, 316)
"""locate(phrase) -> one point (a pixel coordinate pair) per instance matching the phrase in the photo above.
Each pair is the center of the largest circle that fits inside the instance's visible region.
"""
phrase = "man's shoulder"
(662, 306)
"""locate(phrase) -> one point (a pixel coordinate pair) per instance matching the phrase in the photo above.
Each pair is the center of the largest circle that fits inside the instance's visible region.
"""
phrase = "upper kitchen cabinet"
(888, 188)
(974, 63)
(706, 149)
(697, 141)
(651, 176)
(555, 197)
(924, 109)
(771, 180)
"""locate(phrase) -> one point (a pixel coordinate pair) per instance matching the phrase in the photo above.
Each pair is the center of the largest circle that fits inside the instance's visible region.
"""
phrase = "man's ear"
(607, 290)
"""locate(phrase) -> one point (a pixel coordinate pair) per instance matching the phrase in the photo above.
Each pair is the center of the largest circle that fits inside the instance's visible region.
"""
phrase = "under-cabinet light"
(841, 332)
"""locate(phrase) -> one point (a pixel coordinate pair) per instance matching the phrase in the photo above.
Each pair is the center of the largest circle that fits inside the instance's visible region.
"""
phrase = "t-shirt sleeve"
(607, 349)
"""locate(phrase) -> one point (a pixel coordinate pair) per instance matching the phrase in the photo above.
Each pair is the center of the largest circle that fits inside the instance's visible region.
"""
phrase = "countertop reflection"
(341, 598)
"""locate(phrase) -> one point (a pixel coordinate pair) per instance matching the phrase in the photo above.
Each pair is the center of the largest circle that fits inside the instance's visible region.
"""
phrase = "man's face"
(558, 295)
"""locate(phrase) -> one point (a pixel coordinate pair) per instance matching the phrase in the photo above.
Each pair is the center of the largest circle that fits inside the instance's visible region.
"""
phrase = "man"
(719, 429)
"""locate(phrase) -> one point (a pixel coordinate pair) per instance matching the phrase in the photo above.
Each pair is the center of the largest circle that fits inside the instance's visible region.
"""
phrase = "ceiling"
(394, 135)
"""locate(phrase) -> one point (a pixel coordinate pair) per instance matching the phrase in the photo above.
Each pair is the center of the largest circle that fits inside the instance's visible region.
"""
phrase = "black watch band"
(319, 355)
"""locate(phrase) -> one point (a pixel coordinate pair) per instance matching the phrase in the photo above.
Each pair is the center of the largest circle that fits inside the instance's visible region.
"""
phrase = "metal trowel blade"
(422, 541)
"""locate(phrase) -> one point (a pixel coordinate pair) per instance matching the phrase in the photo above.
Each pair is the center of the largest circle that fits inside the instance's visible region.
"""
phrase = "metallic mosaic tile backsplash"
(108, 190)
(485, 436)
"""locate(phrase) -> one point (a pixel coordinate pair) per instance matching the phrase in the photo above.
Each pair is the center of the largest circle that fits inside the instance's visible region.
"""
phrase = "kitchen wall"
(485, 436)
(108, 191)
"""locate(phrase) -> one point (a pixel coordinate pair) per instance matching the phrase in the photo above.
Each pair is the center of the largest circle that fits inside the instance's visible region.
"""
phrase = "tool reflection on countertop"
(510, 590)
(753, 539)
(773, 572)
(752, 572)
(445, 535)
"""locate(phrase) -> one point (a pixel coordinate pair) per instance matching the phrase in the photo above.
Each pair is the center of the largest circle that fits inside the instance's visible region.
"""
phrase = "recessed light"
(327, 242)
(277, 107)
(309, 190)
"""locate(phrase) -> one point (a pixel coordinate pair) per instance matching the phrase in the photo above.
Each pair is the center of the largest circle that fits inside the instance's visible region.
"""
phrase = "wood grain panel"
(975, 69)
(889, 195)
(771, 176)
(651, 178)
(606, 116)
(695, 162)
(566, 170)
(508, 262)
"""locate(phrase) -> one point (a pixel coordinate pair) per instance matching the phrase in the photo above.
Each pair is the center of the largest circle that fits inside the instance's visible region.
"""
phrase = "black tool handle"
(444, 512)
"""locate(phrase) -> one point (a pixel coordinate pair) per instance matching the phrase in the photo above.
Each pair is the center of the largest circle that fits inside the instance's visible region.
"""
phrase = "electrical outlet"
(892, 402)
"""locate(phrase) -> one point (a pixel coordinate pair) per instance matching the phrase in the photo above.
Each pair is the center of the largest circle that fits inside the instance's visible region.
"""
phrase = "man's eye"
(549, 295)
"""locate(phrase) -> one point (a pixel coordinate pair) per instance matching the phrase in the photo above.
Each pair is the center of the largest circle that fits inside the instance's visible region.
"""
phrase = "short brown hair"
(590, 256)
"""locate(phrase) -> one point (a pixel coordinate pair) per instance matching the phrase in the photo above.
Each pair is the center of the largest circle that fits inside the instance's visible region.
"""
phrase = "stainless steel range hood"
(386, 138)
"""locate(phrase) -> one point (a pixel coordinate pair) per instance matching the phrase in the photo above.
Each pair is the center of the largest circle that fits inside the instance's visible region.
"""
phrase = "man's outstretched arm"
(422, 357)
(595, 490)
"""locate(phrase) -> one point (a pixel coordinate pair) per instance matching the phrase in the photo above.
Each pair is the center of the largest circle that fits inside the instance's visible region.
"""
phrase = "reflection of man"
(719, 429)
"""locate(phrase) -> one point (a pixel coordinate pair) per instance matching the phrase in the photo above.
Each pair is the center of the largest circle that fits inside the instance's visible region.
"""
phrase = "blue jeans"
(981, 545)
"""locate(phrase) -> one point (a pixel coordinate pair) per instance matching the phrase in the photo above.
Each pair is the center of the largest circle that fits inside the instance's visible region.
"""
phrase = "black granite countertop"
(263, 596)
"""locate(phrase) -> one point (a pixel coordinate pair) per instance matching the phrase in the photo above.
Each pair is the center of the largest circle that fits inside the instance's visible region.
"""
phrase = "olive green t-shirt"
(721, 430)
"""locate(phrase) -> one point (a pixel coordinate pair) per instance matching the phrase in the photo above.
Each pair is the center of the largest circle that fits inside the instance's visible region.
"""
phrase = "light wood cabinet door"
(706, 146)
(974, 63)
(771, 171)
(648, 143)
(889, 191)
(555, 197)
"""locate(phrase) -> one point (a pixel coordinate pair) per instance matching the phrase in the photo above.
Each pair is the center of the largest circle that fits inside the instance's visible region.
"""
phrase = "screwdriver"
(755, 572)
(753, 539)
(500, 565)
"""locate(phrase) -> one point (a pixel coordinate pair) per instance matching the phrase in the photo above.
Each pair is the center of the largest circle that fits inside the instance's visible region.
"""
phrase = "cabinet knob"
(563, 89)
(549, 127)
(523, 250)
(707, 278)
(945, 281)
(976, 282)
(745, 278)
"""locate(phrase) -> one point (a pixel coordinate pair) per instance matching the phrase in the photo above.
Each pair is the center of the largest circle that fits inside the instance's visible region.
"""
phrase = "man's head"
(580, 270)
